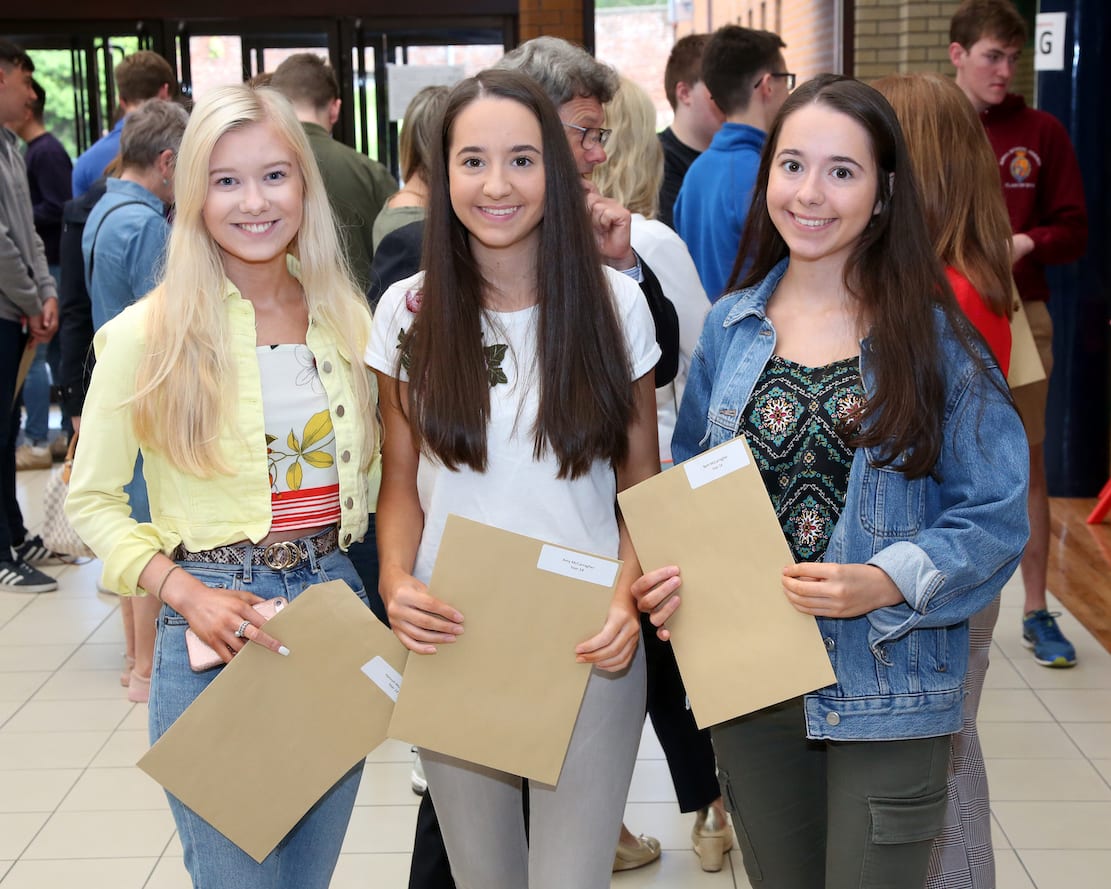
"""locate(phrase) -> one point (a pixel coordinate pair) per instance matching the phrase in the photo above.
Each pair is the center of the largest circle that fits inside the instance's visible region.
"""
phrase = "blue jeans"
(307, 856)
(36, 398)
(36, 388)
(136, 491)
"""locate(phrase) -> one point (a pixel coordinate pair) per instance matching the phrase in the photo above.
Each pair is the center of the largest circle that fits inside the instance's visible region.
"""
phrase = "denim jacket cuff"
(915, 575)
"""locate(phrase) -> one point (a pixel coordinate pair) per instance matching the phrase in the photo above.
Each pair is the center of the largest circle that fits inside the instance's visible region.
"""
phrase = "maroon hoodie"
(1042, 188)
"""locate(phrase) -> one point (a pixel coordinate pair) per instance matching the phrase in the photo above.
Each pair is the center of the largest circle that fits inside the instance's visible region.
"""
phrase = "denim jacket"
(128, 231)
(949, 541)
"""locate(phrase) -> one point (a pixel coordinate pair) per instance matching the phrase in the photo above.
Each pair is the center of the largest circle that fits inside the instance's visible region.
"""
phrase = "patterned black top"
(792, 424)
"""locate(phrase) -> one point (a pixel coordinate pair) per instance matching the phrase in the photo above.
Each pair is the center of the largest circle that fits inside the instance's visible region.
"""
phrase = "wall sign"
(1049, 41)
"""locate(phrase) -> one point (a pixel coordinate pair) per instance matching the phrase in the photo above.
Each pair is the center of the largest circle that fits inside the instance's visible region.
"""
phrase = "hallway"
(74, 810)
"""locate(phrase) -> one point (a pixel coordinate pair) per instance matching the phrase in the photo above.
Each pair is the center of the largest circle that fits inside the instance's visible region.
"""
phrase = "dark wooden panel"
(54, 10)
(1080, 564)
(1078, 422)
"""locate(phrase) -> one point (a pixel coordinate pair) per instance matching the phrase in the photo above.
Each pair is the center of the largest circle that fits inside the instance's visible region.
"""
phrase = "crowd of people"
(283, 369)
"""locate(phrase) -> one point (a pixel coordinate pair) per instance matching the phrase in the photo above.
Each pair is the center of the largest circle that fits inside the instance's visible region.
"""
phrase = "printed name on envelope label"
(727, 458)
(384, 676)
(577, 565)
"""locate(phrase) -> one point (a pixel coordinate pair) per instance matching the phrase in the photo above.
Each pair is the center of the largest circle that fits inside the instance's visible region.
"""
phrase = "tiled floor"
(74, 810)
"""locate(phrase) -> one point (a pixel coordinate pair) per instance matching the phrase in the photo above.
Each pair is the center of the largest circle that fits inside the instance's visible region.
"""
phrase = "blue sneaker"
(1041, 633)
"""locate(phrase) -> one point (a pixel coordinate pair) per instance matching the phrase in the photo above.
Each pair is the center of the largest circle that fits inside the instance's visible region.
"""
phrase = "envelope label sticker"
(727, 458)
(572, 564)
(384, 676)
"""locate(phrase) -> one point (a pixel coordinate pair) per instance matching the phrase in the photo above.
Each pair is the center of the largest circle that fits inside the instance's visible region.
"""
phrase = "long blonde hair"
(187, 396)
(634, 167)
(959, 181)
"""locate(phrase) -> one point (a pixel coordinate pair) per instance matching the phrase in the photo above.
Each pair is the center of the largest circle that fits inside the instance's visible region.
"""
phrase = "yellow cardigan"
(202, 513)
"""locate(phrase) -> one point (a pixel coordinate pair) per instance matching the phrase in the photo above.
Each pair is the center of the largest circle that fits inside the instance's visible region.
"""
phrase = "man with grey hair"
(126, 233)
(123, 245)
(579, 86)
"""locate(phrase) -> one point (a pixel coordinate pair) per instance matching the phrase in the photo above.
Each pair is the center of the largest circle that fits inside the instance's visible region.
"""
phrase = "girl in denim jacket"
(897, 466)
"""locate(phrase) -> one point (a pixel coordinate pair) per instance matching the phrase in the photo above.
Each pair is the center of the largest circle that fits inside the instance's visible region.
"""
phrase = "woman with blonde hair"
(239, 380)
(967, 222)
(631, 176)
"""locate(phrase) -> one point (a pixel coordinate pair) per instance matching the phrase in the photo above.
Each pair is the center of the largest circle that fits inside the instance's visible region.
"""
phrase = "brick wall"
(909, 35)
(636, 41)
(901, 35)
(890, 35)
(808, 27)
(557, 18)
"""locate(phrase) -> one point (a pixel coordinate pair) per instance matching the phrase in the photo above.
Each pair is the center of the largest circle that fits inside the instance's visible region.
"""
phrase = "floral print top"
(300, 440)
(795, 425)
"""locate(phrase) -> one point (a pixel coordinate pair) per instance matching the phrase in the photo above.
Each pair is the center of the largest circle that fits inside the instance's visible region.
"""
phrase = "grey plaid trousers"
(962, 856)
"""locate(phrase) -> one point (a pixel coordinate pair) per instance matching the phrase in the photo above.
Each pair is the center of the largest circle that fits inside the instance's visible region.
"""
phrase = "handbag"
(57, 533)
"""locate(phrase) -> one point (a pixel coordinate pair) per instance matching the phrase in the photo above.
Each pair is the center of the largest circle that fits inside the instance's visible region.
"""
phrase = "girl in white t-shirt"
(517, 390)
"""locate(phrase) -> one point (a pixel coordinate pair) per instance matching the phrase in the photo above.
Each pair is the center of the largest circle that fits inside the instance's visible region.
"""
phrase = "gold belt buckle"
(282, 555)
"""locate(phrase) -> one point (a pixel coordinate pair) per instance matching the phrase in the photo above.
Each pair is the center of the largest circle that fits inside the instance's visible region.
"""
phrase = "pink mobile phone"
(203, 657)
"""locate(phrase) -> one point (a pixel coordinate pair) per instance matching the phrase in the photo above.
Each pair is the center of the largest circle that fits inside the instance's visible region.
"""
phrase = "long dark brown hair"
(583, 371)
(893, 274)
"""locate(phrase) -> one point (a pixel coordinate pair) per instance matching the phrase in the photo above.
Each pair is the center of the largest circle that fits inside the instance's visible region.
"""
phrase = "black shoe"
(35, 552)
(19, 577)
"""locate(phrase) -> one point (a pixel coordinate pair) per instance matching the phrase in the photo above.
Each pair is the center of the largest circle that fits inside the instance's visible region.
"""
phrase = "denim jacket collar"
(753, 301)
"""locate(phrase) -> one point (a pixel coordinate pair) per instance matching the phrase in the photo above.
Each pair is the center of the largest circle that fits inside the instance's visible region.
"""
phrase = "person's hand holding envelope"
(741, 643)
(506, 693)
(421, 621)
(288, 727)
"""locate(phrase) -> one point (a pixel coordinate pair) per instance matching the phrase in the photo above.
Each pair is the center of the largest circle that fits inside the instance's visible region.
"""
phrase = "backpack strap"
(96, 234)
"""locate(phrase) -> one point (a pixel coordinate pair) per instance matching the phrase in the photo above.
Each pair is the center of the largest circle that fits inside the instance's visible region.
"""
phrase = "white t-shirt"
(668, 257)
(517, 492)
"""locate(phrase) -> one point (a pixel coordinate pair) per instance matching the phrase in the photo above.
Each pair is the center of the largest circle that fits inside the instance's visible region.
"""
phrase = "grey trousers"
(838, 815)
(573, 827)
(962, 857)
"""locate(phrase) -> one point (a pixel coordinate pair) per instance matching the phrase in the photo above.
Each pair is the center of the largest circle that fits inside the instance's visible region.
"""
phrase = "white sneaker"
(416, 778)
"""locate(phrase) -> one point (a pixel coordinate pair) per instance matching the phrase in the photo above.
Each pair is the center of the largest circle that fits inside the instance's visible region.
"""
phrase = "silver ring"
(242, 631)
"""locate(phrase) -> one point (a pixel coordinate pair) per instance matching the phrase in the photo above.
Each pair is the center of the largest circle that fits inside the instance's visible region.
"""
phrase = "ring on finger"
(242, 631)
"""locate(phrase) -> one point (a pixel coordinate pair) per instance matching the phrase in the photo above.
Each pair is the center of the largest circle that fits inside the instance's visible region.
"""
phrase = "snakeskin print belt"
(280, 556)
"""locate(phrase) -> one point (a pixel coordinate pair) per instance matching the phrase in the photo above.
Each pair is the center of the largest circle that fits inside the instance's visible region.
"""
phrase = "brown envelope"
(1026, 365)
(739, 643)
(506, 695)
(271, 734)
(25, 362)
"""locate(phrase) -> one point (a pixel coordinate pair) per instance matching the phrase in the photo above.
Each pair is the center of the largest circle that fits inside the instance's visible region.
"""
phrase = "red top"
(995, 329)
(1042, 188)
